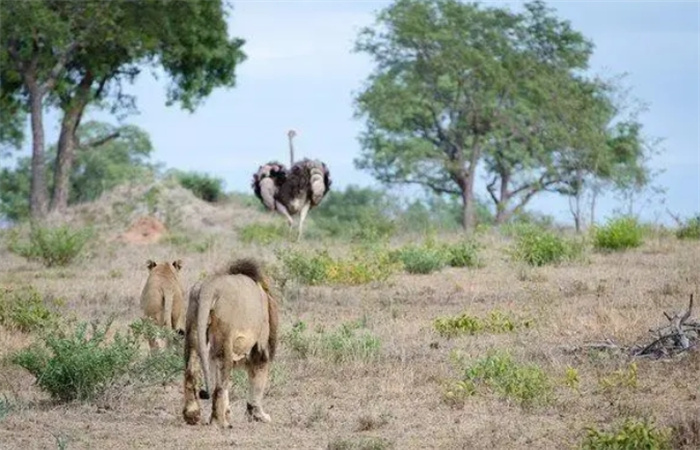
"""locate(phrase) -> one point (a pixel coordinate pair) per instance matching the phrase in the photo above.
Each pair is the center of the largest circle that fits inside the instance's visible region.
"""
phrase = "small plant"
(571, 379)
(690, 229)
(261, 233)
(78, 365)
(297, 340)
(57, 246)
(208, 188)
(495, 322)
(527, 384)
(347, 343)
(422, 259)
(6, 406)
(27, 310)
(618, 234)
(538, 247)
(625, 377)
(632, 434)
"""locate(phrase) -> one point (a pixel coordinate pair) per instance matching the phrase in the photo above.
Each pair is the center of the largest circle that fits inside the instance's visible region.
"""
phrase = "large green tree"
(100, 165)
(458, 84)
(75, 54)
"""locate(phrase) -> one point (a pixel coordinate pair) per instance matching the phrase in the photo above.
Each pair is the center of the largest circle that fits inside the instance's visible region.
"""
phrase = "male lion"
(162, 297)
(234, 314)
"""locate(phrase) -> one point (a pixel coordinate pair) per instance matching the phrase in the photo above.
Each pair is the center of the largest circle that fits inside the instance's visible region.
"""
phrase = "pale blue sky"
(301, 74)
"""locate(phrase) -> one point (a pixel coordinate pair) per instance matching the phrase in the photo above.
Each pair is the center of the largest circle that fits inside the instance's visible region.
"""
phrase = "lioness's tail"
(252, 270)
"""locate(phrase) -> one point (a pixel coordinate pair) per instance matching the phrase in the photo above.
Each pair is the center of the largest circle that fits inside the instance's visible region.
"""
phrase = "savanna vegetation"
(398, 329)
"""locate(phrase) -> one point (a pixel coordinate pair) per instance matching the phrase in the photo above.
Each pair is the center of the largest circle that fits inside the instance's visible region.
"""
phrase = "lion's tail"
(252, 270)
(203, 305)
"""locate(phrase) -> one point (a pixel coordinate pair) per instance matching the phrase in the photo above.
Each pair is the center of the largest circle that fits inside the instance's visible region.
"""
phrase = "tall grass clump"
(27, 310)
(538, 247)
(53, 246)
(319, 267)
(496, 322)
(632, 434)
(351, 341)
(690, 229)
(618, 234)
(80, 364)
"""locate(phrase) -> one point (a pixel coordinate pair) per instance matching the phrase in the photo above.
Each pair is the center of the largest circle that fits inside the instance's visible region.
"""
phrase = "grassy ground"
(388, 379)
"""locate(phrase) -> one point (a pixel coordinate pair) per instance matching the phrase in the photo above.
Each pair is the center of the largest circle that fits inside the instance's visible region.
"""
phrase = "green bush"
(538, 247)
(262, 233)
(690, 229)
(26, 310)
(463, 254)
(423, 259)
(632, 435)
(57, 246)
(527, 384)
(317, 268)
(78, 365)
(495, 322)
(618, 234)
(202, 185)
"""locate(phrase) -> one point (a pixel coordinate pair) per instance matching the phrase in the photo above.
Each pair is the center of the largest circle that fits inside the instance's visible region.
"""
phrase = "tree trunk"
(39, 193)
(466, 185)
(64, 163)
(72, 113)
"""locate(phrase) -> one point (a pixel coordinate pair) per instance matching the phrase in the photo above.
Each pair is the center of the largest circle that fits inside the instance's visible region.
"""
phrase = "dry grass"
(397, 399)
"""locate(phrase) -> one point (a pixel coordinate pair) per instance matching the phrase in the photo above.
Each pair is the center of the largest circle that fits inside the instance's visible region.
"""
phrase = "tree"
(95, 48)
(455, 81)
(99, 166)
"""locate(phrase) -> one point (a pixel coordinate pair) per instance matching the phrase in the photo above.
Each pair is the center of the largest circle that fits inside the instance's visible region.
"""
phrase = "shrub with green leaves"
(526, 384)
(78, 365)
(262, 233)
(632, 434)
(690, 229)
(317, 268)
(204, 186)
(53, 246)
(538, 247)
(27, 310)
(618, 234)
(422, 259)
(496, 322)
(463, 254)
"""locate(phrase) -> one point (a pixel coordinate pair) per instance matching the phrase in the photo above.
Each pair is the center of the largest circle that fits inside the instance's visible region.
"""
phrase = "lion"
(234, 315)
(162, 297)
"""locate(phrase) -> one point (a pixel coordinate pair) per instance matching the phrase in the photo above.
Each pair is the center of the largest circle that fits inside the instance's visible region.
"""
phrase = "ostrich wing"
(266, 182)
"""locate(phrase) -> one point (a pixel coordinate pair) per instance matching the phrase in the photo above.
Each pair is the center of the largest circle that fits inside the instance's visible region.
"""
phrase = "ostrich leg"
(283, 210)
(302, 216)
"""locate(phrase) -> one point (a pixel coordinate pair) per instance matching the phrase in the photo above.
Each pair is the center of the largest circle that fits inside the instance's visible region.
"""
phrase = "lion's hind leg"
(258, 374)
(192, 410)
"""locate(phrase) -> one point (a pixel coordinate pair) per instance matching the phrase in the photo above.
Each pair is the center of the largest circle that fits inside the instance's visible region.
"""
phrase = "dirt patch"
(146, 230)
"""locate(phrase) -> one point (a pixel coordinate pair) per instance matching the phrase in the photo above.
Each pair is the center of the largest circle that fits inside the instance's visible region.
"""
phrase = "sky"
(301, 74)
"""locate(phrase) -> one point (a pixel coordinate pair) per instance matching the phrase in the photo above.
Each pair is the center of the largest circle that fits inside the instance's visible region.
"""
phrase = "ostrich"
(292, 191)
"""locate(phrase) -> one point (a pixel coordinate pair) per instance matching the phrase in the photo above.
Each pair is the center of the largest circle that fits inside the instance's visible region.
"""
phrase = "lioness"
(162, 297)
(234, 313)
